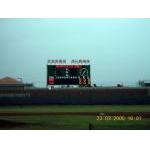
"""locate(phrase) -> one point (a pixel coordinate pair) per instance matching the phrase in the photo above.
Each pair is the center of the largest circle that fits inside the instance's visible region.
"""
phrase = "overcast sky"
(119, 49)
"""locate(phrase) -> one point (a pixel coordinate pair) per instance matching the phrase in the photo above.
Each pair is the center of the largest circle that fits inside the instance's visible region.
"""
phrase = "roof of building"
(9, 80)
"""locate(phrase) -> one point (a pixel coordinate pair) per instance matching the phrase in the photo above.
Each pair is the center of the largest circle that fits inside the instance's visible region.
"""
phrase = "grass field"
(75, 117)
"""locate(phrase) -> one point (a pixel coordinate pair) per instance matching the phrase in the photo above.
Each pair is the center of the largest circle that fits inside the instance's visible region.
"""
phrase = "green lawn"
(77, 108)
(73, 121)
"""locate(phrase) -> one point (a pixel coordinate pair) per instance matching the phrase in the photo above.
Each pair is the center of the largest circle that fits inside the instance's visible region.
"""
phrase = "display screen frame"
(68, 75)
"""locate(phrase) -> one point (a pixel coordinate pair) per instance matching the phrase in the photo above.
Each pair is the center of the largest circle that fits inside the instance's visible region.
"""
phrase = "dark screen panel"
(68, 74)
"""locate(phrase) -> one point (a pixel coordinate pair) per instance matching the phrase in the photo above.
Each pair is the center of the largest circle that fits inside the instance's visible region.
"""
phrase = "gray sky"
(119, 49)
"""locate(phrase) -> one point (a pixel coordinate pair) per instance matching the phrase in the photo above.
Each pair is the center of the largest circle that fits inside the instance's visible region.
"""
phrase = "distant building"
(8, 83)
(144, 83)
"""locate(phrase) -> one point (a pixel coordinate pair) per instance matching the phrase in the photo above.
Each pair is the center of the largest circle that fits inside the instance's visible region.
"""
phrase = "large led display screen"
(68, 75)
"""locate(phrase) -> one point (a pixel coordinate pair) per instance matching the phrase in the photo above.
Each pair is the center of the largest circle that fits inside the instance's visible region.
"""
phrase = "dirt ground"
(142, 114)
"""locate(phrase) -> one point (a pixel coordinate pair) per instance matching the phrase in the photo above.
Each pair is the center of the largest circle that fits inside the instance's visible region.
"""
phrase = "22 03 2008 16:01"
(118, 118)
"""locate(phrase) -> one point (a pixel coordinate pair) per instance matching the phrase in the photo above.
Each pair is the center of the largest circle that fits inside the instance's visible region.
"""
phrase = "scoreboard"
(68, 75)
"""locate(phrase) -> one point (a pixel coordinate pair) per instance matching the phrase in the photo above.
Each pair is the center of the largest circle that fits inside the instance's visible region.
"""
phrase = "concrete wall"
(105, 100)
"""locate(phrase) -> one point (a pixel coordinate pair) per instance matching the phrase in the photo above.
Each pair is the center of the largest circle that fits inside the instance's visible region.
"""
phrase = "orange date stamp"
(118, 118)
